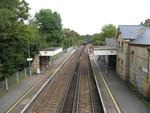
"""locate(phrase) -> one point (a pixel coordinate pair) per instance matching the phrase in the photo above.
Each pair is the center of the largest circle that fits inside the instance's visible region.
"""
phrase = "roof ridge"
(130, 25)
(142, 30)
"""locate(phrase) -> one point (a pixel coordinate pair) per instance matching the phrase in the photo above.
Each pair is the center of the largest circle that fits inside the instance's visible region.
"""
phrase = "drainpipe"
(148, 74)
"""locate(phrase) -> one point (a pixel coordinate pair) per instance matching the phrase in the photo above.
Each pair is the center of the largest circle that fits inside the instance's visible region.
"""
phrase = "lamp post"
(29, 59)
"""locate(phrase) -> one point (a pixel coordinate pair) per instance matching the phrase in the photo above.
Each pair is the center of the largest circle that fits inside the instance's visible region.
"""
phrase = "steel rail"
(74, 108)
(60, 108)
(49, 97)
(84, 67)
(66, 76)
(73, 81)
(90, 88)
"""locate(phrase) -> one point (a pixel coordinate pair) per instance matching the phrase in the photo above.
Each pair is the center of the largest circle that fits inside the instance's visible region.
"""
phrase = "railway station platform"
(123, 99)
(15, 96)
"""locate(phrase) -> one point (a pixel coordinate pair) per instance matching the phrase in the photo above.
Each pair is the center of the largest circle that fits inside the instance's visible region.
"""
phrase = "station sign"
(105, 52)
(29, 59)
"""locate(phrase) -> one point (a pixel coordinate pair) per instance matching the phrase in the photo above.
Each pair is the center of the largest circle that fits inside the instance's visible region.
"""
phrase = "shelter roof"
(51, 49)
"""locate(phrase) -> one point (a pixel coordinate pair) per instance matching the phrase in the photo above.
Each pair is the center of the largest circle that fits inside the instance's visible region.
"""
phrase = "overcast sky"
(88, 16)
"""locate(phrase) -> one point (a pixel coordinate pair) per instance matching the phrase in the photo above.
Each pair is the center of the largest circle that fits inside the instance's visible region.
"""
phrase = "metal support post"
(106, 64)
(7, 84)
(29, 60)
(17, 77)
(25, 73)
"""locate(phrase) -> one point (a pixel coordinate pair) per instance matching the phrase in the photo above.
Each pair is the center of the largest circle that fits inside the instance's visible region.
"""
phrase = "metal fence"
(12, 81)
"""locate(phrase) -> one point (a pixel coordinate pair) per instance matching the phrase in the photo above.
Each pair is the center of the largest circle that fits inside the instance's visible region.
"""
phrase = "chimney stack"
(147, 22)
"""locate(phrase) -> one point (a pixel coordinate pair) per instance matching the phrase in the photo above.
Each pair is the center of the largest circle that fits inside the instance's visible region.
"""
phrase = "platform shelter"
(46, 54)
(43, 60)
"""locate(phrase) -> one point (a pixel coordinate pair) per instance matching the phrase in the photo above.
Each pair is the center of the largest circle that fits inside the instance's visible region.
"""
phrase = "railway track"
(20, 104)
(69, 103)
(80, 97)
(76, 86)
(52, 98)
(71, 89)
(85, 98)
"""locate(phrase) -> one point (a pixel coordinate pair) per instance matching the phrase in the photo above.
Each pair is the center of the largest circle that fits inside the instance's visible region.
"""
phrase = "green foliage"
(107, 31)
(49, 24)
(47, 31)
(71, 38)
(87, 37)
(97, 40)
(18, 9)
(38, 40)
(14, 36)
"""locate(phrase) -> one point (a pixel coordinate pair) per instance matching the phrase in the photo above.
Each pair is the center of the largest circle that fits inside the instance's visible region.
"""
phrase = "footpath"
(9, 99)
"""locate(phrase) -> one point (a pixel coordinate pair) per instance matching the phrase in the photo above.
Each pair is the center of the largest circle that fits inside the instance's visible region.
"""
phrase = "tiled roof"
(143, 38)
(130, 31)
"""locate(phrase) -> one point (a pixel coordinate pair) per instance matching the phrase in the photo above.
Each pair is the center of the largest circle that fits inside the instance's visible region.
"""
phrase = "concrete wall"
(122, 67)
(139, 61)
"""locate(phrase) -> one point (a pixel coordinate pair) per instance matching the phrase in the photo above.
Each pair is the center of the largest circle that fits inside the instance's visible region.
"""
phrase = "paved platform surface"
(128, 101)
(107, 100)
(16, 93)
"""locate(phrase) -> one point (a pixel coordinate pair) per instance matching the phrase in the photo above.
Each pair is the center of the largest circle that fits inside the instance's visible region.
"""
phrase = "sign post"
(29, 59)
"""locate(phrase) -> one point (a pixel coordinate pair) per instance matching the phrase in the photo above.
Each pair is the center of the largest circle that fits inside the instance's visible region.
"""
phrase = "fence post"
(7, 84)
(17, 77)
(25, 72)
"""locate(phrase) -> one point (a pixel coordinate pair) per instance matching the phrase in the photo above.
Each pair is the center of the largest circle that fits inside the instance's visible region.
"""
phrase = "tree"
(17, 9)
(14, 34)
(108, 31)
(97, 40)
(142, 23)
(38, 39)
(50, 24)
(71, 37)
